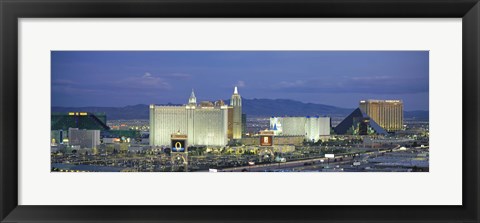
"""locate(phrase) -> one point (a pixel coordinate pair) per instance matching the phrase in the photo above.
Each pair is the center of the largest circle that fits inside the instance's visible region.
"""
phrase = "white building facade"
(311, 127)
(204, 125)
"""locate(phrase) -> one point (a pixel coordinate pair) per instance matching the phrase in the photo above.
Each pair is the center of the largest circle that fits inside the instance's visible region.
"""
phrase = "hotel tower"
(204, 123)
(387, 113)
(236, 104)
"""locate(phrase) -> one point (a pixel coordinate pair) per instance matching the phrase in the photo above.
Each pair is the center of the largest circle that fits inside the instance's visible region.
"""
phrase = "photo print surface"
(239, 111)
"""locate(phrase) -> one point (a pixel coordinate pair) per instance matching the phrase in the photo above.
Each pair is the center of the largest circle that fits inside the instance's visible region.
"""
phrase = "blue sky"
(338, 78)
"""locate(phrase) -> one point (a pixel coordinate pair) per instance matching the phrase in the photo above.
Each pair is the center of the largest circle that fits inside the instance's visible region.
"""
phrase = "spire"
(236, 99)
(192, 99)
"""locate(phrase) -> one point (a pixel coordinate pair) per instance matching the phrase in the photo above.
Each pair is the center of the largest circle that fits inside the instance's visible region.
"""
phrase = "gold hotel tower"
(386, 113)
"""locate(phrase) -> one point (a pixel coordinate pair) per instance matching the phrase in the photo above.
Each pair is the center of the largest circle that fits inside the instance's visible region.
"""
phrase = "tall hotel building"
(387, 113)
(236, 104)
(204, 124)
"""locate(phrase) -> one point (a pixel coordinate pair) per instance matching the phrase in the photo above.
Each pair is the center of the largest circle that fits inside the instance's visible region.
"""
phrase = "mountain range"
(251, 107)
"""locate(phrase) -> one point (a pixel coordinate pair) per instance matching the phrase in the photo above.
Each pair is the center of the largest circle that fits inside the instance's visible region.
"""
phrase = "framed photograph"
(227, 111)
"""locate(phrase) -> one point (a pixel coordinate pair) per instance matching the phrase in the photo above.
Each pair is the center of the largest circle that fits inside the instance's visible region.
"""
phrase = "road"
(292, 164)
(340, 159)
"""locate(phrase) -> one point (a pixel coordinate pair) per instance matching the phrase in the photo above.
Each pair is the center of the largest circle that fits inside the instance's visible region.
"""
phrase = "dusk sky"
(338, 78)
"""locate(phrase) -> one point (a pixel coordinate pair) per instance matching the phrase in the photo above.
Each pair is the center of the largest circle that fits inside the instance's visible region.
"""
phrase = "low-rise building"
(84, 138)
(312, 128)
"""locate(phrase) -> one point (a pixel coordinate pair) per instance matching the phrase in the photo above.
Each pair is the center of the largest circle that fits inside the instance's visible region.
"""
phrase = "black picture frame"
(12, 10)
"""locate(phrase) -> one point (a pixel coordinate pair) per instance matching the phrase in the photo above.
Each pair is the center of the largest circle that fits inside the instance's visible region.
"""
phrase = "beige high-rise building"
(386, 113)
(204, 123)
(230, 123)
(236, 103)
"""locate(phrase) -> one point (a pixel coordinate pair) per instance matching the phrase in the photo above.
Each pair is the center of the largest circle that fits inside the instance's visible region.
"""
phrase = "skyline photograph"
(239, 111)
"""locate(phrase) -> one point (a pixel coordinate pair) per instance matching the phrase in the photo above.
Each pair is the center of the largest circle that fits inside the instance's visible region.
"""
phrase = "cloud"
(240, 84)
(146, 81)
(147, 75)
(70, 87)
(381, 84)
(171, 76)
(76, 90)
(63, 82)
(291, 84)
(181, 76)
(65, 86)
(371, 78)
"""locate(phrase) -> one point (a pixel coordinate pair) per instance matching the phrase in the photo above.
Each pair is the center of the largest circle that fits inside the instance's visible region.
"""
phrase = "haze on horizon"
(337, 78)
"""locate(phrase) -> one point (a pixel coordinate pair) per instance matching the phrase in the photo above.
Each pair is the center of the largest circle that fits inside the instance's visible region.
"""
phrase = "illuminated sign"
(178, 145)
(392, 101)
(266, 140)
(78, 113)
(329, 155)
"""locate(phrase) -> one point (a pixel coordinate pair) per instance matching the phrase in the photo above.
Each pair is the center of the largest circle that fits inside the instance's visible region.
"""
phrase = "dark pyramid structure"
(359, 123)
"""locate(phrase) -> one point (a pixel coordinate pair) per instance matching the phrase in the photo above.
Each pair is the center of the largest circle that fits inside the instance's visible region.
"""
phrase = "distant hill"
(286, 107)
(251, 107)
(418, 115)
